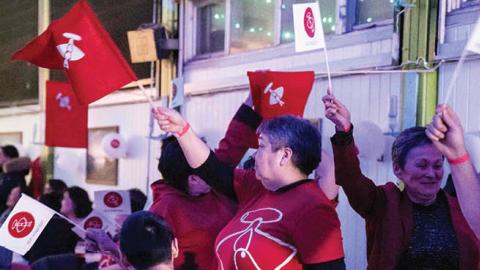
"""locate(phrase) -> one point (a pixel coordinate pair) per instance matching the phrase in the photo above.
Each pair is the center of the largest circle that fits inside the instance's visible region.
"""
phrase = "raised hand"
(446, 132)
(336, 112)
(169, 120)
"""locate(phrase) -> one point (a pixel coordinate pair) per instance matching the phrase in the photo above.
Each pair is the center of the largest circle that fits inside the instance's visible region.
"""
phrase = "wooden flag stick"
(330, 89)
(150, 101)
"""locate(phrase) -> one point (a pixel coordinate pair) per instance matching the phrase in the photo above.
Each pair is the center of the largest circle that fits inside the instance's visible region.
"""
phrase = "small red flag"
(276, 93)
(78, 43)
(66, 119)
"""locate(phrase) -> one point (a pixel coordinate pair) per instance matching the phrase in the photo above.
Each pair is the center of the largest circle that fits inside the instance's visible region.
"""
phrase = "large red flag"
(67, 119)
(78, 43)
(277, 93)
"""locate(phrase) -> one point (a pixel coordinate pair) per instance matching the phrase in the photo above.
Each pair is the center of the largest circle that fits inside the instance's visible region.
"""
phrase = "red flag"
(277, 93)
(78, 43)
(67, 119)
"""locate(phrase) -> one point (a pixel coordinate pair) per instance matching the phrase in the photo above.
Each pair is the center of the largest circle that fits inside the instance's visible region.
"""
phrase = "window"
(211, 28)
(252, 25)
(100, 169)
(328, 11)
(19, 79)
(374, 10)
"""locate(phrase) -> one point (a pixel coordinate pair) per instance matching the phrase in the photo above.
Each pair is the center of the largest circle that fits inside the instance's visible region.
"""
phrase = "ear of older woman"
(446, 132)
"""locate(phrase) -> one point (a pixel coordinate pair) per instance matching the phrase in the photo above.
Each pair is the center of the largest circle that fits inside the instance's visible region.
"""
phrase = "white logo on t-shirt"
(261, 216)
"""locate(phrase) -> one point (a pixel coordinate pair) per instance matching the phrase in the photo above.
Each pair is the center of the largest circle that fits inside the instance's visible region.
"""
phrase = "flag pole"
(458, 67)
(150, 101)
(330, 89)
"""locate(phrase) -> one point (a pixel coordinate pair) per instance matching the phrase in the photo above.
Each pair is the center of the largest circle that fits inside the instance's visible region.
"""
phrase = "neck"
(289, 177)
(421, 199)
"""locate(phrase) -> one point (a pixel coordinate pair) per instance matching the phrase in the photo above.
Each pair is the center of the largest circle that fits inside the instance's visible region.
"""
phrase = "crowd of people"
(208, 212)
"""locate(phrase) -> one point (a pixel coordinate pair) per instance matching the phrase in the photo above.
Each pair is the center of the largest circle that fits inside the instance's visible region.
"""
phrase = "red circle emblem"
(115, 143)
(309, 22)
(93, 222)
(21, 224)
(112, 199)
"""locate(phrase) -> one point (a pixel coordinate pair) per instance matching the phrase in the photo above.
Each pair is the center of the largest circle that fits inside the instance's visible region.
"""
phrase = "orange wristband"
(459, 160)
(184, 130)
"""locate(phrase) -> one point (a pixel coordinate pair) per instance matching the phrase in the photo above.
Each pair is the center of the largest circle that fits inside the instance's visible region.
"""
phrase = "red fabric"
(36, 183)
(66, 120)
(290, 228)
(100, 71)
(195, 221)
(389, 215)
(266, 85)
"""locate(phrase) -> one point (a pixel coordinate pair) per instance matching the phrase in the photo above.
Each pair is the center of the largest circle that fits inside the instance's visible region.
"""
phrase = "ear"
(397, 170)
(174, 248)
(287, 154)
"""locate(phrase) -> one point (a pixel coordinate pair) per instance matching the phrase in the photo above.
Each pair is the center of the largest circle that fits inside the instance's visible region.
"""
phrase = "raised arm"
(362, 193)
(325, 176)
(198, 155)
(446, 132)
(240, 135)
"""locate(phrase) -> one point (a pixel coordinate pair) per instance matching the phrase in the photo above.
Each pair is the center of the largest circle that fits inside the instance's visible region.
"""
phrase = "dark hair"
(52, 200)
(81, 201)
(405, 142)
(249, 163)
(299, 135)
(146, 240)
(10, 151)
(173, 165)
(57, 185)
(137, 199)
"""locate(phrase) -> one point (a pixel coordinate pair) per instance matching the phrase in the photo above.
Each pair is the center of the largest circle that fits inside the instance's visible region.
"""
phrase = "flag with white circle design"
(308, 27)
(24, 225)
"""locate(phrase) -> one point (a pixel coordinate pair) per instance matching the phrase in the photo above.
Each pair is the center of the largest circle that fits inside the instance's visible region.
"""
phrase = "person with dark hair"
(137, 199)
(14, 170)
(55, 186)
(195, 212)
(420, 227)
(76, 204)
(284, 219)
(147, 242)
(52, 200)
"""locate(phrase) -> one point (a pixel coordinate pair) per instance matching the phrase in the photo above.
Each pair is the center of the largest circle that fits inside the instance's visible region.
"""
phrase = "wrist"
(459, 159)
(344, 128)
(184, 130)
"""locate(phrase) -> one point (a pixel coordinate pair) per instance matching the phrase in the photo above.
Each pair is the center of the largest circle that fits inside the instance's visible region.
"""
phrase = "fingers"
(433, 133)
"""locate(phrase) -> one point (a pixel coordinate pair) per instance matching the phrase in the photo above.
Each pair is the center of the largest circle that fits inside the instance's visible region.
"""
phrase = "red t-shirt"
(195, 222)
(282, 229)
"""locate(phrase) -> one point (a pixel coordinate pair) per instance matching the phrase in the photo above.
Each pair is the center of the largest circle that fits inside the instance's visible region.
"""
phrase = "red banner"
(66, 120)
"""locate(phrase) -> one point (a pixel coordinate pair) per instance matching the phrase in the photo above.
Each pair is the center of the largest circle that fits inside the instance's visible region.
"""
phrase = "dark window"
(19, 79)
(211, 28)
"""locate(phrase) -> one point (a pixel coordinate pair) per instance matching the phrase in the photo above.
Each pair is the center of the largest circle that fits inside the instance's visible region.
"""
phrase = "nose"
(430, 172)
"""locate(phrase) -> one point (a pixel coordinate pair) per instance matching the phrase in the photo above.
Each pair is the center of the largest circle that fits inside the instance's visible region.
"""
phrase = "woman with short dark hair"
(284, 219)
(76, 204)
(420, 227)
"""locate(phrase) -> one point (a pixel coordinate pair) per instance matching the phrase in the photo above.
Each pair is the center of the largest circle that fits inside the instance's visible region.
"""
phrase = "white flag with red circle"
(308, 27)
(113, 202)
(24, 225)
(97, 220)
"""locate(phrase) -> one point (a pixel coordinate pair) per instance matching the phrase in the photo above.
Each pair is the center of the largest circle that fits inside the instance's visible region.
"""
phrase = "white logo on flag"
(63, 101)
(275, 94)
(24, 224)
(69, 51)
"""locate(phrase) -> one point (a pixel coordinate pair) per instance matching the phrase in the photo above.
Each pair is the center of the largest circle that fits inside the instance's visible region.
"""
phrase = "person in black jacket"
(14, 169)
